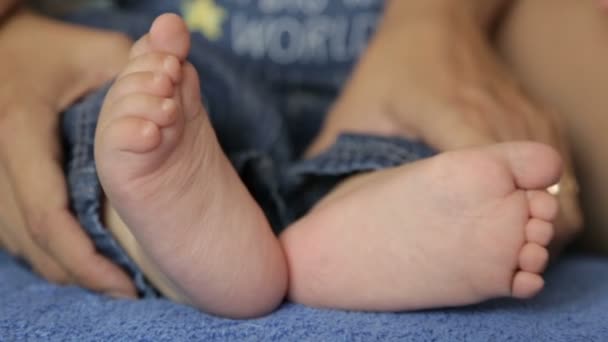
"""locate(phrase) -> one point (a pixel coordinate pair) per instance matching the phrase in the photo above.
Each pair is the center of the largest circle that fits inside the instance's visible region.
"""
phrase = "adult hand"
(6, 6)
(438, 79)
(46, 66)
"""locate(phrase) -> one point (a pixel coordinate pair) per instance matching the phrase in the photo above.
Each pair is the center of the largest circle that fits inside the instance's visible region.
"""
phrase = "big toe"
(534, 165)
(168, 34)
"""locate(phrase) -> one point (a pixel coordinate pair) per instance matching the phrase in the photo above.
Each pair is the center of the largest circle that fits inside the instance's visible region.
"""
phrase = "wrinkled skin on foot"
(455, 229)
(165, 175)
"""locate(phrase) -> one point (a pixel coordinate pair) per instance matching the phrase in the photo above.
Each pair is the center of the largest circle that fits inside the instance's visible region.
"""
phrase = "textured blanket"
(573, 308)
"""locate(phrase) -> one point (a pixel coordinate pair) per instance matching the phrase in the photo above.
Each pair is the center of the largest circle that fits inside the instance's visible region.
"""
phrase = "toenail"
(171, 64)
(148, 129)
(168, 105)
(157, 79)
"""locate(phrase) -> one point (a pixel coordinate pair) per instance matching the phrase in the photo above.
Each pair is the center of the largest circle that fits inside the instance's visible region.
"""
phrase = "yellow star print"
(204, 16)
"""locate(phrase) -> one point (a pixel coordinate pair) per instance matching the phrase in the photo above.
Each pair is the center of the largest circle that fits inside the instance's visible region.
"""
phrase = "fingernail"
(554, 189)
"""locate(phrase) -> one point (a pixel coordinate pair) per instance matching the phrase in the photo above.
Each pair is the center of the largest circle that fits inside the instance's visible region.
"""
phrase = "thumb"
(451, 134)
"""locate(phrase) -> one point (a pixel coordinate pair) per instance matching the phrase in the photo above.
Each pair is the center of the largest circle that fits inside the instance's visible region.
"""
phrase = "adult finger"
(75, 251)
(16, 240)
(58, 233)
(41, 193)
(453, 132)
(5, 242)
(42, 263)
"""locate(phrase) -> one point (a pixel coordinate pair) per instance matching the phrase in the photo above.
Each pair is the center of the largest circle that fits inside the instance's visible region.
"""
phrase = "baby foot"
(455, 229)
(166, 176)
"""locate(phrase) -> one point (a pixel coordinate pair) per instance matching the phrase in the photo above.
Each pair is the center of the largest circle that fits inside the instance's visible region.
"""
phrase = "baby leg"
(188, 219)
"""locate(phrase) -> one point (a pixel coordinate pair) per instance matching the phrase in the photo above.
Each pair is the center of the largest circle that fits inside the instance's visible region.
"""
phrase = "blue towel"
(573, 308)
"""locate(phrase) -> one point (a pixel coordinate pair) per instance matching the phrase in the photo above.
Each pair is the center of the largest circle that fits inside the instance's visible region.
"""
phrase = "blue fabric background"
(573, 308)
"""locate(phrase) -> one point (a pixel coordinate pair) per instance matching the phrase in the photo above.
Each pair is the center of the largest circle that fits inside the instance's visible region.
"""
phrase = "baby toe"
(147, 82)
(543, 205)
(539, 232)
(526, 285)
(160, 110)
(129, 134)
(158, 62)
(533, 258)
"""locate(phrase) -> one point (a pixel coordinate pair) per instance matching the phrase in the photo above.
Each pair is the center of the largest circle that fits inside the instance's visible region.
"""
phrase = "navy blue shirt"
(292, 35)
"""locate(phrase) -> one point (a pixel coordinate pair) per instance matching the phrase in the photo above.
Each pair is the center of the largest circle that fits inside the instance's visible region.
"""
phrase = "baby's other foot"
(455, 229)
(196, 227)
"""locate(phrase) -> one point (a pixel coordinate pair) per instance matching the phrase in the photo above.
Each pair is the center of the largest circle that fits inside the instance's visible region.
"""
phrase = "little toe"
(130, 134)
(533, 258)
(543, 205)
(162, 111)
(526, 285)
(148, 82)
(539, 232)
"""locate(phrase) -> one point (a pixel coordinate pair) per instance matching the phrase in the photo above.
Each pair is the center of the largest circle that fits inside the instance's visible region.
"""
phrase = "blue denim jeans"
(263, 125)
